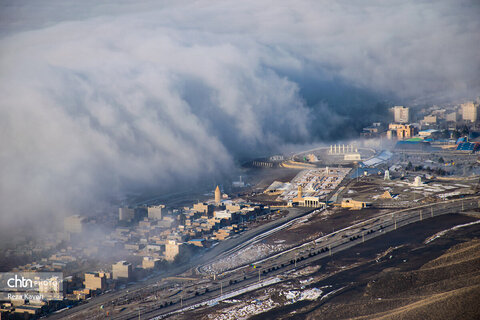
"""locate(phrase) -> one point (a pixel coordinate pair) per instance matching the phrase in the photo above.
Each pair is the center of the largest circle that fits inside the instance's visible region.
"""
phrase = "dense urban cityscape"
(226, 160)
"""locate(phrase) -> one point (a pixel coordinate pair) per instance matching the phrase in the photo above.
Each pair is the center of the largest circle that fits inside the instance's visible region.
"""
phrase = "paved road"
(200, 259)
(309, 252)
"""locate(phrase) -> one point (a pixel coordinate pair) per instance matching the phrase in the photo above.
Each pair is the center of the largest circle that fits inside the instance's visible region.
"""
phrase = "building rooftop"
(468, 146)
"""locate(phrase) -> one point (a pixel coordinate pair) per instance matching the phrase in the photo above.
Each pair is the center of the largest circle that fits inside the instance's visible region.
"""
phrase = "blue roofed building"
(462, 139)
(413, 145)
(469, 147)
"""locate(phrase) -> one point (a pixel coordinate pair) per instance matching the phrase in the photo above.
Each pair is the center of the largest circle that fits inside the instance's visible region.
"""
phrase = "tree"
(445, 134)
(409, 166)
(441, 160)
(465, 130)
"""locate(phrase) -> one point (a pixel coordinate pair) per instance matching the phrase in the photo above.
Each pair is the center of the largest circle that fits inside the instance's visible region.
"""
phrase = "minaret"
(299, 196)
(218, 195)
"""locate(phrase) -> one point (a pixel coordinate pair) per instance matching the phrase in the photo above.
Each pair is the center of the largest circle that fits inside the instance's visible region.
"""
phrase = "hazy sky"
(95, 98)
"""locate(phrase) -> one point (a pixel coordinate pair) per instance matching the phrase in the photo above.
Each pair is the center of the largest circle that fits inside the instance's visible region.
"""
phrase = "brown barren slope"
(447, 287)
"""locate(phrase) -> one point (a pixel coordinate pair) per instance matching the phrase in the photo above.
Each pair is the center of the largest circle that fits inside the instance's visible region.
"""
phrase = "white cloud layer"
(97, 97)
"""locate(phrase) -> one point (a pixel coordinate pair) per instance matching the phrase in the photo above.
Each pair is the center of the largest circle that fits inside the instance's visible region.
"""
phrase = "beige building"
(431, 119)
(218, 195)
(299, 197)
(82, 294)
(222, 234)
(313, 202)
(233, 207)
(150, 263)
(125, 214)
(198, 242)
(202, 207)
(400, 114)
(386, 195)
(223, 214)
(172, 249)
(122, 270)
(355, 156)
(95, 280)
(74, 224)
(400, 131)
(26, 309)
(155, 212)
(51, 288)
(469, 111)
(451, 117)
(353, 204)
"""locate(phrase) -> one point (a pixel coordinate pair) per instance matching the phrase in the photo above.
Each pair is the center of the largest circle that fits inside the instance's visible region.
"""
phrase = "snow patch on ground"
(307, 281)
(305, 271)
(247, 255)
(442, 233)
(226, 296)
(245, 310)
(251, 307)
(449, 194)
(232, 301)
(309, 294)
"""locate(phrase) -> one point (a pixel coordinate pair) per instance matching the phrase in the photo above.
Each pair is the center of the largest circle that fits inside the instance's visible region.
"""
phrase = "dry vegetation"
(445, 288)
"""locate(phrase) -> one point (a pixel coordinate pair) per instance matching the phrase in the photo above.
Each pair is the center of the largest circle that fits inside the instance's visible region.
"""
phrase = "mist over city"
(122, 105)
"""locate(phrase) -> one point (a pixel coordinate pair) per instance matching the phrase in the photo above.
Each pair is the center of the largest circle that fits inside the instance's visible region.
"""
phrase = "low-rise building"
(74, 224)
(430, 119)
(126, 214)
(198, 242)
(401, 114)
(150, 263)
(353, 204)
(400, 131)
(122, 270)
(155, 212)
(451, 117)
(223, 214)
(31, 310)
(203, 207)
(354, 156)
(313, 202)
(469, 111)
(172, 249)
(95, 280)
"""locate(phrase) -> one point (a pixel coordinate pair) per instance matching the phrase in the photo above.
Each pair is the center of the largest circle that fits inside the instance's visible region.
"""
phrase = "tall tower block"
(218, 195)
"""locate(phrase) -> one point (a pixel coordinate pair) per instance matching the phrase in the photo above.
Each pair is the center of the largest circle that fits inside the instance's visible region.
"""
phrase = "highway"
(301, 255)
(216, 252)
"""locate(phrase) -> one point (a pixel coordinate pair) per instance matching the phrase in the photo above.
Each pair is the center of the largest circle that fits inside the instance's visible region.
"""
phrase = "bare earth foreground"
(401, 276)
(447, 287)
